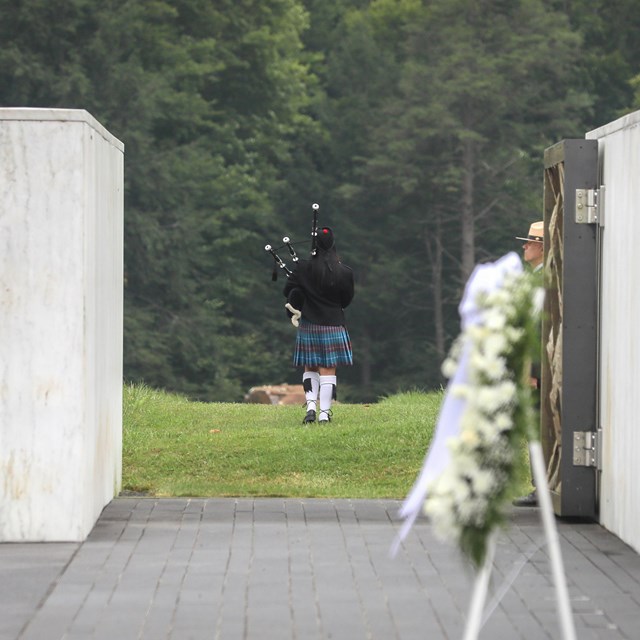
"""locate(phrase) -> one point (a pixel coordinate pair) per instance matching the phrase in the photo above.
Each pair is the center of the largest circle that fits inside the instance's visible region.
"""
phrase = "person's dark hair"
(324, 263)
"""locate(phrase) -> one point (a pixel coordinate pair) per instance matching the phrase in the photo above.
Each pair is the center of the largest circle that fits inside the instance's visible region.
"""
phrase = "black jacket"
(321, 306)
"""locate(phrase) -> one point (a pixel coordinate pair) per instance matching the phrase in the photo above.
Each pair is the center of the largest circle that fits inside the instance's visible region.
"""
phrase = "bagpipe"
(279, 262)
(296, 298)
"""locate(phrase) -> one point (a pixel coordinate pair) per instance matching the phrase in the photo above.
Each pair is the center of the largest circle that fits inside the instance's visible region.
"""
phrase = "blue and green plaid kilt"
(320, 345)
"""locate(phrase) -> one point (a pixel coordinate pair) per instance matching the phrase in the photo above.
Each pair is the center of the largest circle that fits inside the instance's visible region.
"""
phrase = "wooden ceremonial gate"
(568, 421)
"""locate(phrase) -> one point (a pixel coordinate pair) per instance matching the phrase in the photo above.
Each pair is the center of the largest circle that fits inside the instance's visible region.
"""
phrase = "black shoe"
(325, 416)
(530, 500)
(310, 417)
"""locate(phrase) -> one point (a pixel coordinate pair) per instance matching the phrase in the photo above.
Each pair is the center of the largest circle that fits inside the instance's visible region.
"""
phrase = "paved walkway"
(276, 569)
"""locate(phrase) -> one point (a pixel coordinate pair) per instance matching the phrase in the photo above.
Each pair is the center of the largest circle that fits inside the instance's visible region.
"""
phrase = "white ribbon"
(485, 278)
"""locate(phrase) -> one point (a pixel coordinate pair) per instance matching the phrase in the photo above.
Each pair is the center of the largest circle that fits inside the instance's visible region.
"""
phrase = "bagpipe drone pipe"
(279, 262)
(296, 297)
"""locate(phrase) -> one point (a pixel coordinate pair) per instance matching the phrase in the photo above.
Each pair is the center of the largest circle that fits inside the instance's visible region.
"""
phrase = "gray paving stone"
(302, 569)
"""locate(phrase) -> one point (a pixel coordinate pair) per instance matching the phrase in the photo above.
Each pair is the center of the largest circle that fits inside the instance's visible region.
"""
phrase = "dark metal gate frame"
(568, 421)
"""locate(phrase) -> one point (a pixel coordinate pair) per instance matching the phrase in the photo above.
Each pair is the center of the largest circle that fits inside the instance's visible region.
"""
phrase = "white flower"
(500, 454)
(461, 391)
(495, 368)
(497, 298)
(483, 482)
(471, 419)
(494, 319)
(477, 333)
(495, 345)
(473, 512)
(491, 398)
(469, 438)
(513, 334)
(503, 421)
(465, 458)
(507, 391)
(442, 512)
(449, 368)
(488, 432)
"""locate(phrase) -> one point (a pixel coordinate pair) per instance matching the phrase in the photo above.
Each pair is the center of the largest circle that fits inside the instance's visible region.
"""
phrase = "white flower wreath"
(467, 500)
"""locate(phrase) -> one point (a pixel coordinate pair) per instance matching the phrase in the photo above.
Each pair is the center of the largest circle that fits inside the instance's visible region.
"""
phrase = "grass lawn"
(176, 447)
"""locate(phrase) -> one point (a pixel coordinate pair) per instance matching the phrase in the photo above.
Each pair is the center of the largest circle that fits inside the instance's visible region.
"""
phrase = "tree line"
(418, 126)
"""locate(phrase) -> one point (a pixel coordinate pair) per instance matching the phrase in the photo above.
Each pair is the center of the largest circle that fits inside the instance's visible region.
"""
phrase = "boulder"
(276, 394)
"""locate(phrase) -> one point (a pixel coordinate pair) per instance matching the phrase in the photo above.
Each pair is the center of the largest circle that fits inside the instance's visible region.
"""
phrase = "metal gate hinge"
(587, 449)
(590, 206)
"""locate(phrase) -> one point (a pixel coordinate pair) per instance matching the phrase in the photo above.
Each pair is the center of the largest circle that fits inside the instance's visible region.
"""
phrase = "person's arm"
(295, 299)
(292, 283)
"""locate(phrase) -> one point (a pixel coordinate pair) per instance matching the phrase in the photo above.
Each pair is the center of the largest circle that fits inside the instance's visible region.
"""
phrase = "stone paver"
(279, 569)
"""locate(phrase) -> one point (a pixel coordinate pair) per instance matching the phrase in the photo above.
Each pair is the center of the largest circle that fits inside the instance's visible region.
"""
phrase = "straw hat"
(536, 233)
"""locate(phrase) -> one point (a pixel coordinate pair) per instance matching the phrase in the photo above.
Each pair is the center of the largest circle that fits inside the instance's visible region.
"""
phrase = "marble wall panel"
(619, 160)
(61, 309)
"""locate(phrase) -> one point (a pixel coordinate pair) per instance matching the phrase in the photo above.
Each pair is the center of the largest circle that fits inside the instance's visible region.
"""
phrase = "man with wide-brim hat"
(533, 249)
(533, 246)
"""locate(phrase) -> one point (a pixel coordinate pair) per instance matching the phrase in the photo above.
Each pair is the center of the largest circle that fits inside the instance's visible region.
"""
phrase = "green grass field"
(176, 447)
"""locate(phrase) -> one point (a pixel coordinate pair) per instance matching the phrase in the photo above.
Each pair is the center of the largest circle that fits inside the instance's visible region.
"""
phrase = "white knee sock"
(311, 385)
(327, 391)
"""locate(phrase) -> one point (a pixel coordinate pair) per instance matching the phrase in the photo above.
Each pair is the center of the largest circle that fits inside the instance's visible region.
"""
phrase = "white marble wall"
(619, 151)
(61, 310)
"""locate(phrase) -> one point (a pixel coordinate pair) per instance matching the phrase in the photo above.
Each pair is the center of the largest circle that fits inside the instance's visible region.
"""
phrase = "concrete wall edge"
(625, 122)
(59, 115)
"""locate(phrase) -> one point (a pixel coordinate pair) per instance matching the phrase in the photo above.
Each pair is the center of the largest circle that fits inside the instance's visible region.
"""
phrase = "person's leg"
(327, 392)
(311, 386)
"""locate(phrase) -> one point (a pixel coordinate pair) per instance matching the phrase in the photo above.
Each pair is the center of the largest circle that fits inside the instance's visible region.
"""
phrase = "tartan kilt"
(320, 345)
